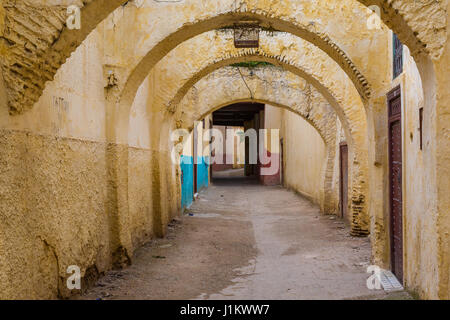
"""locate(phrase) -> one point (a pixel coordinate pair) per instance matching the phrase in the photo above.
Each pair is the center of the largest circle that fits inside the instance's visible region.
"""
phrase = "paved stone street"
(241, 240)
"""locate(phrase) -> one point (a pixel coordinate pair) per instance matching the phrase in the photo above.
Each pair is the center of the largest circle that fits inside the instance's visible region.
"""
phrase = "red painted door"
(395, 182)
(344, 181)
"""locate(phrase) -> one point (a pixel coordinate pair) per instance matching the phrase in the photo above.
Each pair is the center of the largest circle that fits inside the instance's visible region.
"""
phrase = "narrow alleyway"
(241, 240)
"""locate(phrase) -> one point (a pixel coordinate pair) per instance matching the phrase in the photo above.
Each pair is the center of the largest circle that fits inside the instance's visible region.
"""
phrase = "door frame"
(341, 181)
(391, 96)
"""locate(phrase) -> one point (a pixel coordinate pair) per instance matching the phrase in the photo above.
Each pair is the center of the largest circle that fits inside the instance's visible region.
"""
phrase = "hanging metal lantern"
(246, 35)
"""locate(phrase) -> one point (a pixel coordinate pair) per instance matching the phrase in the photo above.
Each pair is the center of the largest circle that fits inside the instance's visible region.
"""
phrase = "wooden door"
(395, 182)
(194, 156)
(344, 181)
(281, 162)
(210, 150)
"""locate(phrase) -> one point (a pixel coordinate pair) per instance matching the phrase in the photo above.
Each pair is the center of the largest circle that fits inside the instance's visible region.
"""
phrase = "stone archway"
(352, 115)
(284, 91)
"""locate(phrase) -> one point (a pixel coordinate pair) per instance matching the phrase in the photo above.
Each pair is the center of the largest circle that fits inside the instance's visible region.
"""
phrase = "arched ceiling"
(35, 43)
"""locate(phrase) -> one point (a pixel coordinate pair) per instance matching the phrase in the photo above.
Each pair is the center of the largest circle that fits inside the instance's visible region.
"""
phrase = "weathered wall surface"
(367, 51)
(58, 196)
(52, 212)
(400, 15)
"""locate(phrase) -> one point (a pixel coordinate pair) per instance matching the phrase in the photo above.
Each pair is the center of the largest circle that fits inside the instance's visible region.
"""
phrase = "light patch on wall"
(139, 131)
(60, 108)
